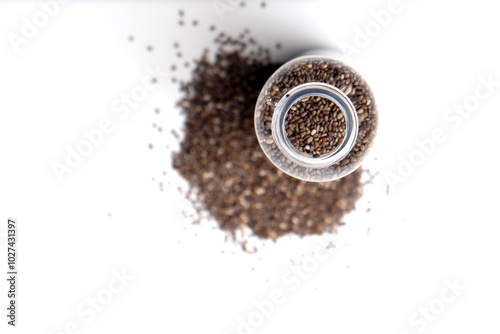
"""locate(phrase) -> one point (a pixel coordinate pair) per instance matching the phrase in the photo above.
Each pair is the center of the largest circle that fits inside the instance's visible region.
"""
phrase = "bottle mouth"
(314, 89)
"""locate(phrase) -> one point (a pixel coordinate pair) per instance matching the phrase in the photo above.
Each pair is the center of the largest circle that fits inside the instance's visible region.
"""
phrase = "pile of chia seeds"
(224, 164)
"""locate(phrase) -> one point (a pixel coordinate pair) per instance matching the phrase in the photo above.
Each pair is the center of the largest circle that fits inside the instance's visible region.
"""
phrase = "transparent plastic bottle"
(316, 118)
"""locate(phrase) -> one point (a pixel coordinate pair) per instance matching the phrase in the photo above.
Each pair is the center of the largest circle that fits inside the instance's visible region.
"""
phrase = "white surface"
(441, 224)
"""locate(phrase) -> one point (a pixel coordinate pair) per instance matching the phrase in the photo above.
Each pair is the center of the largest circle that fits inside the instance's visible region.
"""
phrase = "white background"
(439, 225)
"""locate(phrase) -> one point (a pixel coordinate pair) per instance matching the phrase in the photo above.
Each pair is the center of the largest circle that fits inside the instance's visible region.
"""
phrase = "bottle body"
(316, 118)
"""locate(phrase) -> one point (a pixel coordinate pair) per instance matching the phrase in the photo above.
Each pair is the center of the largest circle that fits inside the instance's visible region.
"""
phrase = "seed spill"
(221, 158)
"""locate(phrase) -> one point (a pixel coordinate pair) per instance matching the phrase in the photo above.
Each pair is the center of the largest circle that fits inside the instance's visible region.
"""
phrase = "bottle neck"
(314, 89)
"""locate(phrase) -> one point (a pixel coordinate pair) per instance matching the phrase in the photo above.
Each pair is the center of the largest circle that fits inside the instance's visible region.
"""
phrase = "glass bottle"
(316, 118)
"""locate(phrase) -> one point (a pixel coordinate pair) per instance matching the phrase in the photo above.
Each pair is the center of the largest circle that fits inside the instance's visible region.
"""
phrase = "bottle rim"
(314, 89)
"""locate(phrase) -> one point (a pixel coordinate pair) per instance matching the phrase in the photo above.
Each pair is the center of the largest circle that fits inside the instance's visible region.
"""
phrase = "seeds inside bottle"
(315, 126)
(316, 119)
